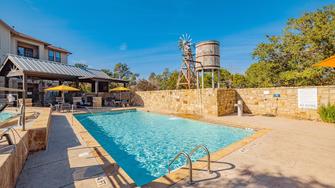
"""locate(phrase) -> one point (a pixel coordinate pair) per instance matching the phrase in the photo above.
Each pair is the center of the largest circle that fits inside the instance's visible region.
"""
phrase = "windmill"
(187, 68)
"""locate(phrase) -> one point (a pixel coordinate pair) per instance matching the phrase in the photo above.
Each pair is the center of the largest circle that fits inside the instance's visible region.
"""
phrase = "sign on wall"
(308, 98)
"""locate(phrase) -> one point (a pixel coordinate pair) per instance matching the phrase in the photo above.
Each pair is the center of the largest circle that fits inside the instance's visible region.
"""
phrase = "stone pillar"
(97, 101)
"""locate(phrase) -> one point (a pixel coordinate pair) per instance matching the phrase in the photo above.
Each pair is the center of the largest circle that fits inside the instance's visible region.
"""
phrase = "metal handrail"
(88, 109)
(188, 161)
(208, 155)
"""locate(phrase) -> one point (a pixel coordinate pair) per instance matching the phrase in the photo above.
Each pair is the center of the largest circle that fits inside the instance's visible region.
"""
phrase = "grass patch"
(327, 113)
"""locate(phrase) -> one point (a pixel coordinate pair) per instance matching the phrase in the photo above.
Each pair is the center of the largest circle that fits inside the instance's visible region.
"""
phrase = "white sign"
(266, 92)
(308, 98)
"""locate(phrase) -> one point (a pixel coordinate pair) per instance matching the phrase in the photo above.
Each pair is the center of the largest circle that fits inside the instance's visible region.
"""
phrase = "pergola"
(23, 67)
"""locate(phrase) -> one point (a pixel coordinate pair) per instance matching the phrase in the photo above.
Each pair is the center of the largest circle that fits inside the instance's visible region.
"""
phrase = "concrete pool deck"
(294, 153)
(67, 162)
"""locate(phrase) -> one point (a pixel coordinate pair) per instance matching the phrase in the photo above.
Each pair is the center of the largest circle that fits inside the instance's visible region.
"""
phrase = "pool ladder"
(189, 161)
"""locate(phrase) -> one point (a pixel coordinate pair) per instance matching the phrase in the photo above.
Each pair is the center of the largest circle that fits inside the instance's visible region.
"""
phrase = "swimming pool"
(5, 115)
(144, 143)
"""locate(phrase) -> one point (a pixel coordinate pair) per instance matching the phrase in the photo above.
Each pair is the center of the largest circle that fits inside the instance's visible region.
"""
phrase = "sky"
(144, 33)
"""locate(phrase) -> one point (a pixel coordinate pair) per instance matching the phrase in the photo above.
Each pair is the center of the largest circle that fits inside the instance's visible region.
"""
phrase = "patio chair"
(75, 101)
(65, 106)
(59, 100)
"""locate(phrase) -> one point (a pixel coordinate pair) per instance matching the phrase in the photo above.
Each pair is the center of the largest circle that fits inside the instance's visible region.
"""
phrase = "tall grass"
(327, 113)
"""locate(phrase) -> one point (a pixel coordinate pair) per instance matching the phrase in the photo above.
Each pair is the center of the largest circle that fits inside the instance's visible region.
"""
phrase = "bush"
(327, 113)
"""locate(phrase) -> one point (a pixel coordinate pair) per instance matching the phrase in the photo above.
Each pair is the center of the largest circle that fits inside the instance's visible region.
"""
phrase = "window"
(58, 57)
(51, 55)
(27, 52)
(20, 51)
(54, 56)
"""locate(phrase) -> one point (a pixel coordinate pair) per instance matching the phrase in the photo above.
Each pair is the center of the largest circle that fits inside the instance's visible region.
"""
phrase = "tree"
(239, 81)
(262, 75)
(170, 82)
(81, 65)
(287, 60)
(145, 85)
(108, 72)
(122, 71)
(225, 78)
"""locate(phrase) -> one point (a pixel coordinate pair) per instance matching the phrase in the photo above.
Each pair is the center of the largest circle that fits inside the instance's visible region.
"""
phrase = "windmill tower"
(187, 68)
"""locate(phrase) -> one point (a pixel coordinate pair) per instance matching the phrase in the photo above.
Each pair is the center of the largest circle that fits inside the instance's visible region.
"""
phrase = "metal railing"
(208, 155)
(188, 161)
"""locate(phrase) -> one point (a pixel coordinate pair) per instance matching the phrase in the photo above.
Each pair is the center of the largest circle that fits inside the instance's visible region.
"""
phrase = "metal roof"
(98, 73)
(31, 65)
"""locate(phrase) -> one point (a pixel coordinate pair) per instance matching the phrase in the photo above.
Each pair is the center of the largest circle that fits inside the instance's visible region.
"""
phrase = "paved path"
(295, 153)
(66, 163)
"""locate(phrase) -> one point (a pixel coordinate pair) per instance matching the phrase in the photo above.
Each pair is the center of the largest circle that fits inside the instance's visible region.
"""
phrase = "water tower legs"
(213, 84)
(202, 79)
(219, 78)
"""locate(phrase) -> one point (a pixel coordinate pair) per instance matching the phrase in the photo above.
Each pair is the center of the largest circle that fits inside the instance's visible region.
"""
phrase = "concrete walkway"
(66, 163)
(295, 153)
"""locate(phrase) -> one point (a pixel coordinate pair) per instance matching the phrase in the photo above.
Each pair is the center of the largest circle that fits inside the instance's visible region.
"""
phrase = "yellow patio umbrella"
(62, 88)
(329, 62)
(120, 89)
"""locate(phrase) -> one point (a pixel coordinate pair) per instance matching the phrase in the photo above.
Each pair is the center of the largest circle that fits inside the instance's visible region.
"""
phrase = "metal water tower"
(207, 54)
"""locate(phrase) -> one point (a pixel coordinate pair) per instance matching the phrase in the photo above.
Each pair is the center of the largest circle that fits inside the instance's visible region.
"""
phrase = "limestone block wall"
(218, 102)
(192, 101)
(38, 132)
(257, 102)
(12, 163)
(226, 99)
(35, 138)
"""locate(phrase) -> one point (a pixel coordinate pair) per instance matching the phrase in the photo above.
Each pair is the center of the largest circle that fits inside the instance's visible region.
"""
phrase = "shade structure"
(62, 88)
(120, 89)
(329, 62)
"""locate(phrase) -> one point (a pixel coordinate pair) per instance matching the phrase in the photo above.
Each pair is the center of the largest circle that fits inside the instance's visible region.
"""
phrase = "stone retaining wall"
(190, 101)
(218, 102)
(257, 102)
(12, 163)
(38, 132)
(35, 138)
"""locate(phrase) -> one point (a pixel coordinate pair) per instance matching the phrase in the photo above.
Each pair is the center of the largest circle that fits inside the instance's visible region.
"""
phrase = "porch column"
(24, 93)
(96, 87)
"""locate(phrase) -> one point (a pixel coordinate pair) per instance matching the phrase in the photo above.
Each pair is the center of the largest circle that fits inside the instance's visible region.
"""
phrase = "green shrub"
(327, 113)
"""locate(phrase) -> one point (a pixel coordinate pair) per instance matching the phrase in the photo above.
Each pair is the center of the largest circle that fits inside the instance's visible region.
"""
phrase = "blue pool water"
(144, 143)
(5, 115)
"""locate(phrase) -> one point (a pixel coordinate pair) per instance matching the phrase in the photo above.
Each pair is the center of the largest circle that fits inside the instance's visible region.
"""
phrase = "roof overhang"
(15, 66)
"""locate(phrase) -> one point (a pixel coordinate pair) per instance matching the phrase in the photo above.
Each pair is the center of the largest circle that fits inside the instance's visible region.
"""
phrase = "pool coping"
(177, 175)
